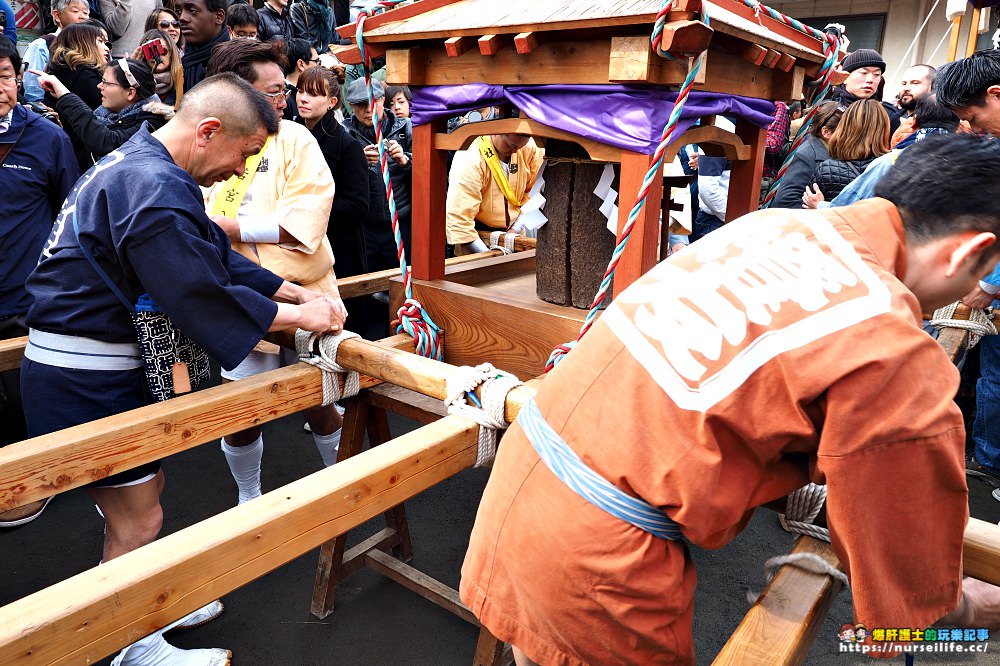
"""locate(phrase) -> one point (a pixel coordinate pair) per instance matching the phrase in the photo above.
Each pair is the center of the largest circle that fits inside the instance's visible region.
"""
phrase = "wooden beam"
(526, 42)
(427, 587)
(744, 183)
(771, 59)
(689, 37)
(970, 46)
(780, 627)
(729, 145)
(641, 253)
(430, 184)
(490, 45)
(632, 60)
(349, 55)
(582, 62)
(456, 46)
(372, 283)
(464, 135)
(397, 14)
(956, 33)
(93, 614)
(981, 551)
(521, 243)
(954, 341)
(11, 353)
(785, 62)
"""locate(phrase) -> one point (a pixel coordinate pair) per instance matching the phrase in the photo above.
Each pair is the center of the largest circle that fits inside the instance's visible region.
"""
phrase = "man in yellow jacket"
(488, 184)
(276, 215)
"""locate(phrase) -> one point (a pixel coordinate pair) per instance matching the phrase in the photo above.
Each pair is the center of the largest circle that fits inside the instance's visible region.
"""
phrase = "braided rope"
(490, 416)
(666, 139)
(412, 318)
(508, 241)
(803, 507)
(979, 324)
(325, 358)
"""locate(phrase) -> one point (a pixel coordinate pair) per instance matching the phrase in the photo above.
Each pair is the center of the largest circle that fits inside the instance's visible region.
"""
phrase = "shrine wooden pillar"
(430, 184)
(744, 181)
(642, 251)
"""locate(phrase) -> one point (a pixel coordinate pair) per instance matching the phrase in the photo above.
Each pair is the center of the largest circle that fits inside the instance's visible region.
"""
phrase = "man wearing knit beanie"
(864, 68)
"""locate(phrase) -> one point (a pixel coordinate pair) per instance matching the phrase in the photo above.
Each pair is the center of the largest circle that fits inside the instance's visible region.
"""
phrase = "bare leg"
(132, 513)
(323, 420)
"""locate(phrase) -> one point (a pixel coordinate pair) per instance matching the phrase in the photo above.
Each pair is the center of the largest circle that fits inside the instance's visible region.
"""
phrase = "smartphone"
(153, 51)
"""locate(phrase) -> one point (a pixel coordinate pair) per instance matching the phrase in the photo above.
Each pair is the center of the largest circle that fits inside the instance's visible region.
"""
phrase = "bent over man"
(781, 349)
(135, 225)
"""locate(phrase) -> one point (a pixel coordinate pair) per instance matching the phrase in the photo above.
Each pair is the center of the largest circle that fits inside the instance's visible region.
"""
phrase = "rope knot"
(508, 241)
(415, 322)
(979, 324)
(490, 414)
(320, 350)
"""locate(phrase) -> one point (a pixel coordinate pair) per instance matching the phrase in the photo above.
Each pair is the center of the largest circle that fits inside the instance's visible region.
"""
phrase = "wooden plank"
(956, 33)
(397, 14)
(688, 37)
(491, 651)
(744, 183)
(93, 614)
(970, 44)
(408, 66)
(427, 587)
(730, 74)
(521, 243)
(785, 62)
(492, 325)
(463, 137)
(762, 29)
(349, 55)
(406, 403)
(456, 46)
(11, 353)
(780, 627)
(771, 59)
(583, 62)
(791, 86)
(430, 184)
(981, 552)
(642, 252)
(526, 42)
(372, 283)
(710, 138)
(490, 45)
(956, 340)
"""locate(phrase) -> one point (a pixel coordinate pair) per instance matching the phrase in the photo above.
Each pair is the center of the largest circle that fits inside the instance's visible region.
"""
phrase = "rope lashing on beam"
(411, 316)
(979, 324)
(320, 350)
(667, 137)
(508, 241)
(495, 385)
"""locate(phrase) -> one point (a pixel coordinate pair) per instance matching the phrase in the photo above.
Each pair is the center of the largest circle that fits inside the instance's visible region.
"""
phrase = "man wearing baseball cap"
(864, 69)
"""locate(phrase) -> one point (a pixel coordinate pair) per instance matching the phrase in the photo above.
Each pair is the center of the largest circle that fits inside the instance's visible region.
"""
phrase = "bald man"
(140, 217)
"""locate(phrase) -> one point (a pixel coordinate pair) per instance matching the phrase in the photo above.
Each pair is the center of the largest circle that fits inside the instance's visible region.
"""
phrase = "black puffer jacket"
(380, 244)
(810, 155)
(96, 139)
(274, 24)
(833, 176)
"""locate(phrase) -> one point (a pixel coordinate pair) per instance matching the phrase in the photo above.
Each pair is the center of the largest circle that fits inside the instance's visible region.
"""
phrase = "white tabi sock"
(244, 463)
(153, 650)
(328, 446)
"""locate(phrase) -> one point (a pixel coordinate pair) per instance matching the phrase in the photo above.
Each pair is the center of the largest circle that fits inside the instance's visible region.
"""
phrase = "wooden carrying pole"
(970, 46)
(99, 611)
(956, 33)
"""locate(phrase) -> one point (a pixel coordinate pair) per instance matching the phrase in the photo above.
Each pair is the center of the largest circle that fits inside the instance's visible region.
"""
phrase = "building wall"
(903, 20)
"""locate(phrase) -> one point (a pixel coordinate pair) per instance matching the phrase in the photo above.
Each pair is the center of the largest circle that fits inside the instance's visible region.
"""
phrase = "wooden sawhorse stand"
(389, 550)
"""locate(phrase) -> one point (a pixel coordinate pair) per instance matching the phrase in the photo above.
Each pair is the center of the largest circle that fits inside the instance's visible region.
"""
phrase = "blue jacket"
(35, 179)
(10, 25)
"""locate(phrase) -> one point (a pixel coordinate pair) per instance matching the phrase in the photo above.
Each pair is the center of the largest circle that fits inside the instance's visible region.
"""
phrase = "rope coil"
(801, 511)
(979, 324)
(320, 350)
(496, 384)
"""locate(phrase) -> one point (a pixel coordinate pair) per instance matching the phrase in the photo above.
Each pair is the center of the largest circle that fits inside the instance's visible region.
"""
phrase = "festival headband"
(123, 63)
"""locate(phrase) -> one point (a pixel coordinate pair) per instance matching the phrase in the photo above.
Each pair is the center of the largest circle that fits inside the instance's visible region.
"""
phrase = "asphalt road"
(376, 621)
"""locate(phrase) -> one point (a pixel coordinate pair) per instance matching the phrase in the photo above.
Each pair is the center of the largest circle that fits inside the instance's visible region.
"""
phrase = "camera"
(153, 51)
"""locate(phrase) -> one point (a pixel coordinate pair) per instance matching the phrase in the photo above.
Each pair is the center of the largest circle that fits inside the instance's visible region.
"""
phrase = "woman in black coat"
(317, 98)
(127, 101)
(862, 135)
(810, 154)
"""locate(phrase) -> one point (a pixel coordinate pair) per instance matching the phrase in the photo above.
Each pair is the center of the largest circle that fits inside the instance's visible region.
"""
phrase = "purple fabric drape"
(627, 117)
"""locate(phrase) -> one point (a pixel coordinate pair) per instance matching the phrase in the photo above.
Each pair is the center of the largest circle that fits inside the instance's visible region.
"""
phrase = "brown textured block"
(552, 253)
(590, 242)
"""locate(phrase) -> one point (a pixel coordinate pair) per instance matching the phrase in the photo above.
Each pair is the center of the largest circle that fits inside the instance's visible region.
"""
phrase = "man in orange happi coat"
(782, 349)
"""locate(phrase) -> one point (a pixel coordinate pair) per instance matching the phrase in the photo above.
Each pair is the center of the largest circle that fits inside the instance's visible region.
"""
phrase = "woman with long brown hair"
(862, 135)
(166, 19)
(810, 155)
(77, 58)
(167, 68)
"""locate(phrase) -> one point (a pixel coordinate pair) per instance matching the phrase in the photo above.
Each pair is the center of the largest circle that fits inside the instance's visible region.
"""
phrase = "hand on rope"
(496, 384)
(412, 317)
(667, 137)
(325, 358)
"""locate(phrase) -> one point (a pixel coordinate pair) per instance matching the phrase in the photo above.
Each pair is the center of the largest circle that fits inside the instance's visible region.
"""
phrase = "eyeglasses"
(275, 96)
(104, 83)
(170, 24)
(8, 79)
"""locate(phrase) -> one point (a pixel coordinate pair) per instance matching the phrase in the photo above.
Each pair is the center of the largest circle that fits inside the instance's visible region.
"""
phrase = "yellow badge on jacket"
(489, 154)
